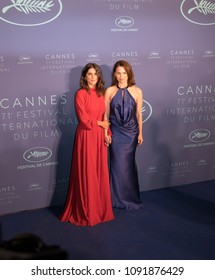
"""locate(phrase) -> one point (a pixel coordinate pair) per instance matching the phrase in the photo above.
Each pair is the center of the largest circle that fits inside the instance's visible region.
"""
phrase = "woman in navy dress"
(123, 110)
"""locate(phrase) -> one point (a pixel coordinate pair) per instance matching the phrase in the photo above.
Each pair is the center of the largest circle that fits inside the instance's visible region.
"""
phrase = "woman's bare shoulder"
(136, 90)
(110, 90)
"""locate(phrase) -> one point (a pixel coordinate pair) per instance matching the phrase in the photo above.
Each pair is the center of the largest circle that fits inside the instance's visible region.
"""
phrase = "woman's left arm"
(139, 115)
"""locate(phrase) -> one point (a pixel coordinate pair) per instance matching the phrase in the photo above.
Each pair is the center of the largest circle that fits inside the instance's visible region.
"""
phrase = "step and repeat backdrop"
(44, 45)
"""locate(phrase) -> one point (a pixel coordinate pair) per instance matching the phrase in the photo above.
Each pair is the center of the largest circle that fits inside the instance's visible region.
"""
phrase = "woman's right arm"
(85, 120)
(107, 114)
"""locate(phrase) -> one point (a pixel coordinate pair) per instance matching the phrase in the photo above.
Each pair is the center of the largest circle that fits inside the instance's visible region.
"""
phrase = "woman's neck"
(122, 86)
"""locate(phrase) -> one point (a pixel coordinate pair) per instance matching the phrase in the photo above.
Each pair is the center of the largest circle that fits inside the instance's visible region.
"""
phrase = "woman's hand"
(103, 124)
(108, 140)
(140, 139)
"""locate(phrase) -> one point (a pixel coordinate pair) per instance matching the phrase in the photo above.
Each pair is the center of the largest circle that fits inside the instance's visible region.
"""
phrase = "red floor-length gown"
(89, 200)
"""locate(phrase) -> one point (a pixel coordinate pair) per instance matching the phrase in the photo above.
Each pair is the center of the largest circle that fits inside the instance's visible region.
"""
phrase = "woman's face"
(121, 75)
(91, 78)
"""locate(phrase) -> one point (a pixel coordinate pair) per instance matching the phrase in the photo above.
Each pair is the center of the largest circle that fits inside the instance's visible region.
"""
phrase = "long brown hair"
(128, 69)
(99, 84)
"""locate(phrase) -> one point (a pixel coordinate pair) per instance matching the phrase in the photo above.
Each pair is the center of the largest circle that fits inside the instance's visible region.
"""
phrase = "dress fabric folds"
(88, 199)
(123, 170)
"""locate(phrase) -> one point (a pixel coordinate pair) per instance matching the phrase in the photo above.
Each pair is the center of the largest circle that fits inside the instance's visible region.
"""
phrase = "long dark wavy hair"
(128, 70)
(100, 84)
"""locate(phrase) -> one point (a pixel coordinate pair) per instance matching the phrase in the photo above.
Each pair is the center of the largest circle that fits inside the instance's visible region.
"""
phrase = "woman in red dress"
(88, 199)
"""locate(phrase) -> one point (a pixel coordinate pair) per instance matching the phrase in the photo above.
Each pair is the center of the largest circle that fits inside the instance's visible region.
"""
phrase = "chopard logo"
(24, 58)
(30, 12)
(37, 154)
(200, 12)
(199, 135)
(154, 54)
(208, 53)
(93, 55)
(124, 21)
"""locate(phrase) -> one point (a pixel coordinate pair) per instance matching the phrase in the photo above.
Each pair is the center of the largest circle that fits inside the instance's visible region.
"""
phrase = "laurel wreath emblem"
(204, 7)
(30, 6)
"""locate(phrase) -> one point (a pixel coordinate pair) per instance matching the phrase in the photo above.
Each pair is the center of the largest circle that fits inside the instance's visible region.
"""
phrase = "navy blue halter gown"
(123, 171)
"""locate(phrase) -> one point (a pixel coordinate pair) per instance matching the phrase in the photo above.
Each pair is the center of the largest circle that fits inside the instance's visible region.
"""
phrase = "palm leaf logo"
(29, 6)
(204, 7)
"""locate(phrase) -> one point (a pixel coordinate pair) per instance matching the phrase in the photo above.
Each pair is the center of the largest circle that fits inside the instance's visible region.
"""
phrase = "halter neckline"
(121, 88)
